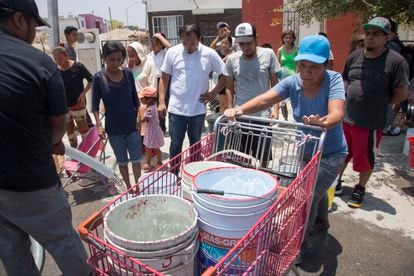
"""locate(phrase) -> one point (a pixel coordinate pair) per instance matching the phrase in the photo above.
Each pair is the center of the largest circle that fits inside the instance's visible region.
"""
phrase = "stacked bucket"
(223, 219)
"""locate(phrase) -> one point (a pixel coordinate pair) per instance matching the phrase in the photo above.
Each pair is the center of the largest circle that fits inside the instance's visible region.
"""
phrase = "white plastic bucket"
(410, 133)
(193, 168)
(215, 243)
(258, 185)
(159, 230)
(158, 182)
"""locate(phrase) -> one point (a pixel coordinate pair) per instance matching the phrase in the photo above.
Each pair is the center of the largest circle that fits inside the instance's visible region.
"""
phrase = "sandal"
(146, 168)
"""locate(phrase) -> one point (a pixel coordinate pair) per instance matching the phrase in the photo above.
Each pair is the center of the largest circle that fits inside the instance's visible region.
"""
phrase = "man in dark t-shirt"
(32, 124)
(73, 74)
(374, 77)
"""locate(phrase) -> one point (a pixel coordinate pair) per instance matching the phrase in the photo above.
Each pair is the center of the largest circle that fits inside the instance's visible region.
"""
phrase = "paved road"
(377, 239)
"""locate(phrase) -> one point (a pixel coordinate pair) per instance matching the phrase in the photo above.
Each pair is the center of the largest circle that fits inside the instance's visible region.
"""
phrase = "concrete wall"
(268, 19)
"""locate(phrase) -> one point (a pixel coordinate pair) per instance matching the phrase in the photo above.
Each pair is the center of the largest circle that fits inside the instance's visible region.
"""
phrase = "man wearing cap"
(32, 124)
(254, 69)
(223, 31)
(374, 78)
(317, 97)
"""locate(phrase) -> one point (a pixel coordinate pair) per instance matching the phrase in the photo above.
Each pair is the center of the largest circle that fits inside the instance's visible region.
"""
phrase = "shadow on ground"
(322, 256)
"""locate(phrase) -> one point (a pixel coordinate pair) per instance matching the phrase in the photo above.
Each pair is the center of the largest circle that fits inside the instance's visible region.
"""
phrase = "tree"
(116, 24)
(401, 11)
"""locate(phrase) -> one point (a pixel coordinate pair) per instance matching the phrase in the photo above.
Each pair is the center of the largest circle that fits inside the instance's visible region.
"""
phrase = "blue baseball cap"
(314, 48)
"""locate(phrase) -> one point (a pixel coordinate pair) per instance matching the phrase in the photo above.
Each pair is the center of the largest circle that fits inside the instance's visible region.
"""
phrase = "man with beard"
(374, 78)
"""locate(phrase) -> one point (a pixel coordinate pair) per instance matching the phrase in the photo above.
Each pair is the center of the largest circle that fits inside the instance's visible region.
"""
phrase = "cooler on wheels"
(272, 244)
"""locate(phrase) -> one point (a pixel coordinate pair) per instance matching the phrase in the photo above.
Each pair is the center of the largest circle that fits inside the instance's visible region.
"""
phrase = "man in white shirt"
(188, 65)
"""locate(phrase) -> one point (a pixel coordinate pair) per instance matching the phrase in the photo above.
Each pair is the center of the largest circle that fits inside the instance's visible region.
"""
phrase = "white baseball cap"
(245, 32)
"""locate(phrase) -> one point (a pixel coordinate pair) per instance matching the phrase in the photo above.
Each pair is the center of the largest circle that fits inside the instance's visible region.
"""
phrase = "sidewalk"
(377, 239)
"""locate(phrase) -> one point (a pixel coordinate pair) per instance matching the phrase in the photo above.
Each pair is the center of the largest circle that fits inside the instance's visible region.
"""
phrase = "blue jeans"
(177, 127)
(328, 170)
(123, 145)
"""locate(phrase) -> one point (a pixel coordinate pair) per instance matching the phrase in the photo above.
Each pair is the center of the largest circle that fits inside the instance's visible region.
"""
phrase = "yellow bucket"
(331, 193)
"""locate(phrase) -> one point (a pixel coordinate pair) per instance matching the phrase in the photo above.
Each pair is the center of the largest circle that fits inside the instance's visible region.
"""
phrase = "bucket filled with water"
(229, 202)
(193, 168)
(158, 230)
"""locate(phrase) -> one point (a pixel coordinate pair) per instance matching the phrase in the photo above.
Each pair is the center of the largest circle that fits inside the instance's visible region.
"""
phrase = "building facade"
(168, 16)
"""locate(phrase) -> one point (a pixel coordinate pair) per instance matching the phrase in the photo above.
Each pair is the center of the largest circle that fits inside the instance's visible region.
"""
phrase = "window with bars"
(168, 25)
(291, 21)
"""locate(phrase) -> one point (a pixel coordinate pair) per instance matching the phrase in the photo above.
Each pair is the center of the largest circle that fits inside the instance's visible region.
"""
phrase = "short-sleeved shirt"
(371, 84)
(158, 60)
(252, 76)
(120, 101)
(73, 79)
(190, 77)
(331, 88)
(71, 52)
(31, 90)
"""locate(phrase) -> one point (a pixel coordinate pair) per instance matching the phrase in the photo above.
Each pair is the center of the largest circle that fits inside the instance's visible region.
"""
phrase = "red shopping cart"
(290, 151)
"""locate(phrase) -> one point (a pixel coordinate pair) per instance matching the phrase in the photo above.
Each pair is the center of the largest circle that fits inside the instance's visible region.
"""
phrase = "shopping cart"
(293, 156)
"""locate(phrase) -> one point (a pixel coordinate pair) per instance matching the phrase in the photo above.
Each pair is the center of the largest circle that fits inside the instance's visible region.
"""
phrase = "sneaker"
(357, 197)
(338, 188)
(395, 131)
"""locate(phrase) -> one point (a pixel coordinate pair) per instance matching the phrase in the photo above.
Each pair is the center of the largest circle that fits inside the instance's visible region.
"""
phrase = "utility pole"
(53, 18)
(110, 17)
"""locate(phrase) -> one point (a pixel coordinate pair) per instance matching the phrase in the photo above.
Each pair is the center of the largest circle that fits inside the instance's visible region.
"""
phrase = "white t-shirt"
(145, 74)
(158, 60)
(189, 77)
(252, 76)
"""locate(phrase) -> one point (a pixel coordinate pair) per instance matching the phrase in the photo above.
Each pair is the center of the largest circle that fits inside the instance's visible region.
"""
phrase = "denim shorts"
(123, 145)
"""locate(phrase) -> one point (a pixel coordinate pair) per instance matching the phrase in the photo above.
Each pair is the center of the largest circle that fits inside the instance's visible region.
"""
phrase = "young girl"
(116, 87)
(153, 136)
(224, 51)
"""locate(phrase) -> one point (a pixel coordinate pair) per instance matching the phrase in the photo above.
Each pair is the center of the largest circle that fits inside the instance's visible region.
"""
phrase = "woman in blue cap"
(318, 98)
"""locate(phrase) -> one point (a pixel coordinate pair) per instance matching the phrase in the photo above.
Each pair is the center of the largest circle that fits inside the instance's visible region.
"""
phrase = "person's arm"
(273, 81)
(209, 96)
(399, 94)
(57, 126)
(278, 55)
(230, 91)
(256, 104)
(82, 95)
(165, 79)
(163, 41)
(213, 44)
(336, 108)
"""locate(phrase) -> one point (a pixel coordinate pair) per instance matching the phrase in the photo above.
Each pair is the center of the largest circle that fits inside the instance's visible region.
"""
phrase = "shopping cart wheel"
(38, 254)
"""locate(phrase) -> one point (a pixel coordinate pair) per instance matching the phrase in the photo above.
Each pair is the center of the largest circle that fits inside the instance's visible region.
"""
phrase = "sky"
(136, 10)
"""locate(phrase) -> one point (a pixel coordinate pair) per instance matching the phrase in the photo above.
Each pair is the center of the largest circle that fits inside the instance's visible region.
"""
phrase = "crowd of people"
(41, 100)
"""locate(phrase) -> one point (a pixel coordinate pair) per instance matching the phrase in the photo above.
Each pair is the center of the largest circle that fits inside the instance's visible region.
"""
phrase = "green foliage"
(401, 11)
(116, 24)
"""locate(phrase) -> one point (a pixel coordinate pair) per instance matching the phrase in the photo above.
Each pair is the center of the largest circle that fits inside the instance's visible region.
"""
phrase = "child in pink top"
(153, 136)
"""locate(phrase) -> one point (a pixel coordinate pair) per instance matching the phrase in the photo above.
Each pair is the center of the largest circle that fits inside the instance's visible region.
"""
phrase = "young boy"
(73, 74)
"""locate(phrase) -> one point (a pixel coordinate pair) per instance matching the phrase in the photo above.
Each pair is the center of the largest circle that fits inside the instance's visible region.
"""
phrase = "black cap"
(26, 6)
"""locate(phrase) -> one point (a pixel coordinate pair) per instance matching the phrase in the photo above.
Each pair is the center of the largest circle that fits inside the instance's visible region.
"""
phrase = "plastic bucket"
(193, 168)
(158, 183)
(411, 151)
(331, 192)
(159, 230)
(256, 186)
(406, 148)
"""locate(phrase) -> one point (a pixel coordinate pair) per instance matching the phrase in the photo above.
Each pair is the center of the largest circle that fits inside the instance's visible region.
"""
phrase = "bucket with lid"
(158, 229)
(244, 196)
